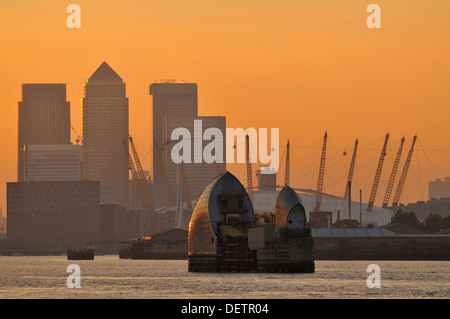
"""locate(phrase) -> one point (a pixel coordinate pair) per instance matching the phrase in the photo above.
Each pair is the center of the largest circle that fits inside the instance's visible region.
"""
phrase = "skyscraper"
(105, 124)
(198, 175)
(44, 118)
(170, 100)
(176, 105)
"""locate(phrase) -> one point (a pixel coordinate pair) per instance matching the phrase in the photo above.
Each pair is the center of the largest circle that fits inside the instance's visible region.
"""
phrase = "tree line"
(433, 223)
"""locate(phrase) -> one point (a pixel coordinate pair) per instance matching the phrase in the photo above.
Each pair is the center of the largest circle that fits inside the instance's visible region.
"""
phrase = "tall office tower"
(105, 124)
(170, 100)
(175, 105)
(198, 175)
(44, 118)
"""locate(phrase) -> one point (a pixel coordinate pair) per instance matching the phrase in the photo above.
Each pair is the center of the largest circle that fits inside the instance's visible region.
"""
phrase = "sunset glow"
(304, 67)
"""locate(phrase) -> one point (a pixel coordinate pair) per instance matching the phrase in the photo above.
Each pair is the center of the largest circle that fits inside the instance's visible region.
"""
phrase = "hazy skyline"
(300, 66)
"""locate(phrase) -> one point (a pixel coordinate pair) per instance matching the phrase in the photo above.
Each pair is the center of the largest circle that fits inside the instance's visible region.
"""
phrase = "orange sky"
(302, 66)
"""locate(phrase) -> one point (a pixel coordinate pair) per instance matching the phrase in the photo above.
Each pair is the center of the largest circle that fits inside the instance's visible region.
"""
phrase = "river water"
(37, 277)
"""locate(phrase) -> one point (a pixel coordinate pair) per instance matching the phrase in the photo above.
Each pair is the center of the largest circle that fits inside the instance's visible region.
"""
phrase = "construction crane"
(376, 180)
(186, 192)
(137, 161)
(141, 188)
(169, 197)
(179, 204)
(321, 174)
(132, 169)
(181, 171)
(351, 171)
(288, 165)
(402, 179)
(387, 195)
(181, 189)
(249, 168)
(148, 203)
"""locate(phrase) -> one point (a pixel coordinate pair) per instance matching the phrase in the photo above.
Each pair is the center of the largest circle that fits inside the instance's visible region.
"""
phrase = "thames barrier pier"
(225, 235)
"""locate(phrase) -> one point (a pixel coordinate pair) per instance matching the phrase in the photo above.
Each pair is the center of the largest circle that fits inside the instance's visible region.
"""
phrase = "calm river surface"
(37, 277)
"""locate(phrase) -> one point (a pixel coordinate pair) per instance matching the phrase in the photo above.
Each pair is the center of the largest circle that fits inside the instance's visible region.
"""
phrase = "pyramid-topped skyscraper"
(105, 73)
(104, 112)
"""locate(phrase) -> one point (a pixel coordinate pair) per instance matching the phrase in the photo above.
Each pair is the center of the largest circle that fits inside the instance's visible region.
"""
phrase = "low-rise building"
(53, 214)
